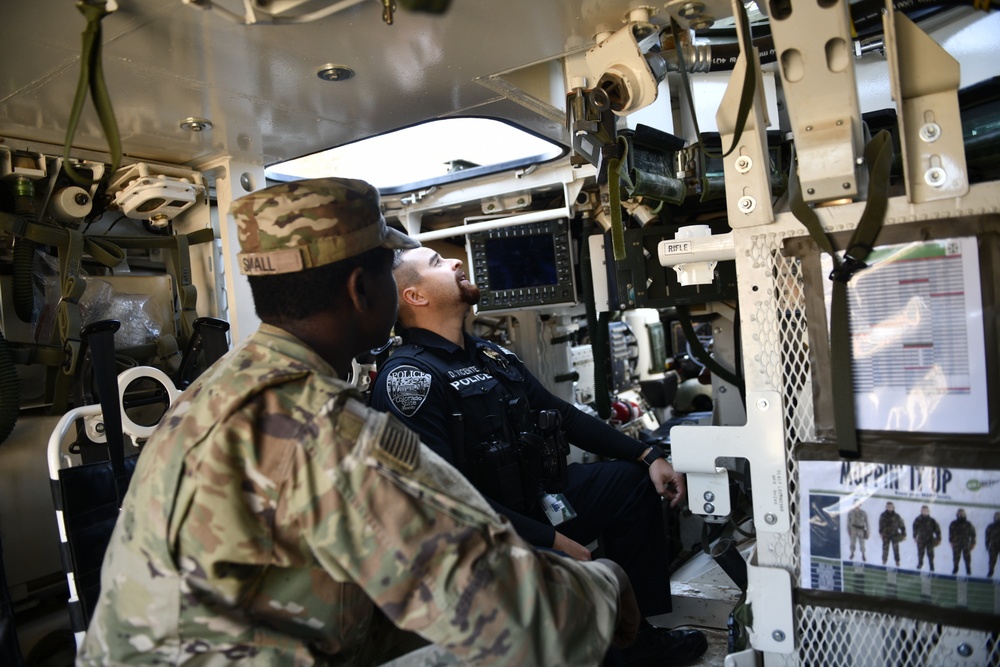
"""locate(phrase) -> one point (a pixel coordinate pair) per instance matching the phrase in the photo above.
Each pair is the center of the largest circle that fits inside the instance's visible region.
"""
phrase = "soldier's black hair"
(298, 295)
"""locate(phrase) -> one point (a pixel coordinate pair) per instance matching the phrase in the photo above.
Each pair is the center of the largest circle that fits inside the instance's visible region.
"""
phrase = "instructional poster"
(921, 534)
(917, 338)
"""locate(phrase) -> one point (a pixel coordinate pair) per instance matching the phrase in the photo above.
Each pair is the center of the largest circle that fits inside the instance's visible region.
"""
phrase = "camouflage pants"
(885, 550)
(857, 537)
(994, 552)
(965, 553)
(927, 547)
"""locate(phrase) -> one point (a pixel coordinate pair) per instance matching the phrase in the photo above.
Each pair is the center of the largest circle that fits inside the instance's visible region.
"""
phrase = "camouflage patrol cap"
(304, 224)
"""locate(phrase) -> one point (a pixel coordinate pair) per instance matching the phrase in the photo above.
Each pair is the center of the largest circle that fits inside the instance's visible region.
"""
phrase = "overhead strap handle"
(92, 78)
(746, 94)
(878, 158)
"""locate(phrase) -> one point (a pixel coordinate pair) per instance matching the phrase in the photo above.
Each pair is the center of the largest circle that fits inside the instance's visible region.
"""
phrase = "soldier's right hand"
(628, 609)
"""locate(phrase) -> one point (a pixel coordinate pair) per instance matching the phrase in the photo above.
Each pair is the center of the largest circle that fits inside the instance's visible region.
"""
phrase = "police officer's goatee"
(469, 293)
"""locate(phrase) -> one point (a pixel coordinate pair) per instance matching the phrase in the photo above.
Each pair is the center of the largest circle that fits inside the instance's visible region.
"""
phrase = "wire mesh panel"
(777, 348)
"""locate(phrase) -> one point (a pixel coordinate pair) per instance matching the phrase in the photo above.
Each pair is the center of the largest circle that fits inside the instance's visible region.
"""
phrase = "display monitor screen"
(515, 262)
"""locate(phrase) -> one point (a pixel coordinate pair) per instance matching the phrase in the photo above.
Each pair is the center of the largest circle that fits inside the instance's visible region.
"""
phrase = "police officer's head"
(925, 510)
(889, 507)
(960, 514)
(431, 287)
(302, 241)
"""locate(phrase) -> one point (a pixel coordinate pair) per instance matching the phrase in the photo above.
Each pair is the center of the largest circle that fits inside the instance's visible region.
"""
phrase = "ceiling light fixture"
(193, 124)
(330, 72)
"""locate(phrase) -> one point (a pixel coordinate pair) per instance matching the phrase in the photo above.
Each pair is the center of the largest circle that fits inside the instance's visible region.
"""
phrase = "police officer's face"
(445, 277)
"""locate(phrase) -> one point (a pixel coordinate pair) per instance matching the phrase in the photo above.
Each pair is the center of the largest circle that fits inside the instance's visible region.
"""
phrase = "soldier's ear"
(358, 290)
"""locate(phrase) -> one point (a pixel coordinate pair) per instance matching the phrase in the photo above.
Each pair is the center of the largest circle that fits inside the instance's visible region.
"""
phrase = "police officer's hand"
(628, 609)
(570, 547)
(669, 483)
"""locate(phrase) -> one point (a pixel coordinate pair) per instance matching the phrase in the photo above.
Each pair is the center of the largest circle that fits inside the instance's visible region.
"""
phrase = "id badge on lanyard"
(557, 508)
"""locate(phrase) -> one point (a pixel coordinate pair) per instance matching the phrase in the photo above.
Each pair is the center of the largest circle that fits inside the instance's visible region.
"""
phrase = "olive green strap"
(615, 169)
(746, 94)
(92, 78)
(878, 158)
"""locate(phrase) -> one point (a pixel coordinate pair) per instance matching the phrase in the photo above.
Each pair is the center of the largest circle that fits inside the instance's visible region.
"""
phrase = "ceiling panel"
(165, 61)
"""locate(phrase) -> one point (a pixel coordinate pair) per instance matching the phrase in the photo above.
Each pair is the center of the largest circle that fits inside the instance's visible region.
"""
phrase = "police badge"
(407, 387)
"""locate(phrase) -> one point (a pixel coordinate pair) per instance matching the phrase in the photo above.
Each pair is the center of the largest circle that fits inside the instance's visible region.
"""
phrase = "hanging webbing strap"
(746, 94)
(92, 79)
(878, 158)
(615, 171)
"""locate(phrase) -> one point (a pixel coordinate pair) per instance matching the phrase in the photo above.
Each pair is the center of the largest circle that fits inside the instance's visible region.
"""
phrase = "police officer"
(962, 537)
(858, 530)
(274, 519)
(927, 535)
(892, 530)
(993, 541)
(475, 404)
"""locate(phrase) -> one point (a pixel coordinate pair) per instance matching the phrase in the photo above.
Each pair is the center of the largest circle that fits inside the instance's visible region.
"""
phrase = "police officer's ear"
(413, 296)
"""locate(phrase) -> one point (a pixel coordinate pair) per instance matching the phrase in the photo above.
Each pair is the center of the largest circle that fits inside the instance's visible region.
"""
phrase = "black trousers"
(616, 501)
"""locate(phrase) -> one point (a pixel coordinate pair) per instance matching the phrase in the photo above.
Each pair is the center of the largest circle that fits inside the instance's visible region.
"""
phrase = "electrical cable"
(702, 355)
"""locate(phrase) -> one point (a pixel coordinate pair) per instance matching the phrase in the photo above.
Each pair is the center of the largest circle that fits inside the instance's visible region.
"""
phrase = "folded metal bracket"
(695, 449)
(924, 80)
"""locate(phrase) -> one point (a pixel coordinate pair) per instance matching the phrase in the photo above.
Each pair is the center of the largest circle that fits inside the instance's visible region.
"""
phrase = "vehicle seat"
(86, 494)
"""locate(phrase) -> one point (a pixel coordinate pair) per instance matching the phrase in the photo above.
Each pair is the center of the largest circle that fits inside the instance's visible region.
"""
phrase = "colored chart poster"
(920, 534)
(917, 338)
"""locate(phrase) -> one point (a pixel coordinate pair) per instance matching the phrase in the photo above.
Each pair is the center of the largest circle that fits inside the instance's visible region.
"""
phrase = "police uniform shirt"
(272, 512)
(429, 378)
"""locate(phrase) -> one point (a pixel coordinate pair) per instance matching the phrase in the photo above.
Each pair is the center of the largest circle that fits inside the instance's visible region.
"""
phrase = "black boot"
(660, 646)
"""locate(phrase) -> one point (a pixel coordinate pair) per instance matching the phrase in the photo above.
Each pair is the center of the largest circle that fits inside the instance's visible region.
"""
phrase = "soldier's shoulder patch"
(399, 447)
(407, 388)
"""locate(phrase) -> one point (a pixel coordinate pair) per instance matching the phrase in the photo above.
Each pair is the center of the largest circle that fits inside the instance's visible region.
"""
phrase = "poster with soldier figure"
(913, 509)
(927, 535)
(993, 543)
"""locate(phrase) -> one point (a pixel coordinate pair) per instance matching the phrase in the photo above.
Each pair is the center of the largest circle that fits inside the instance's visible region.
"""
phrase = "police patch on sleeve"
(407, 387)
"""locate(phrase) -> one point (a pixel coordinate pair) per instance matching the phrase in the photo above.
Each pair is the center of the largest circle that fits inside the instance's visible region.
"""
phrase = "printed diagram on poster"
(922, 534)
(917, 338)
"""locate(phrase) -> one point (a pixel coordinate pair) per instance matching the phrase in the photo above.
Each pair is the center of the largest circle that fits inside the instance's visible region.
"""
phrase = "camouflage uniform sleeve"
(431, 553)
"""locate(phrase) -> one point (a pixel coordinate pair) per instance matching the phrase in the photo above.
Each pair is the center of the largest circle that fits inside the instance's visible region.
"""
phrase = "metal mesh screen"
(828, 637)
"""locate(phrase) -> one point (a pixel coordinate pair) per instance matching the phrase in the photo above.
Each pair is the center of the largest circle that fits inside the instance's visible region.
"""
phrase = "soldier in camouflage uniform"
(858, 530)
(274, 519)
(962, 537)
(892, 530)
(927, 535)
(993, 542)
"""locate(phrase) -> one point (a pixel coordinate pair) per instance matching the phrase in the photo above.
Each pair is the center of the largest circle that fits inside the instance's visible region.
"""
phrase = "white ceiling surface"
(165, 61)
